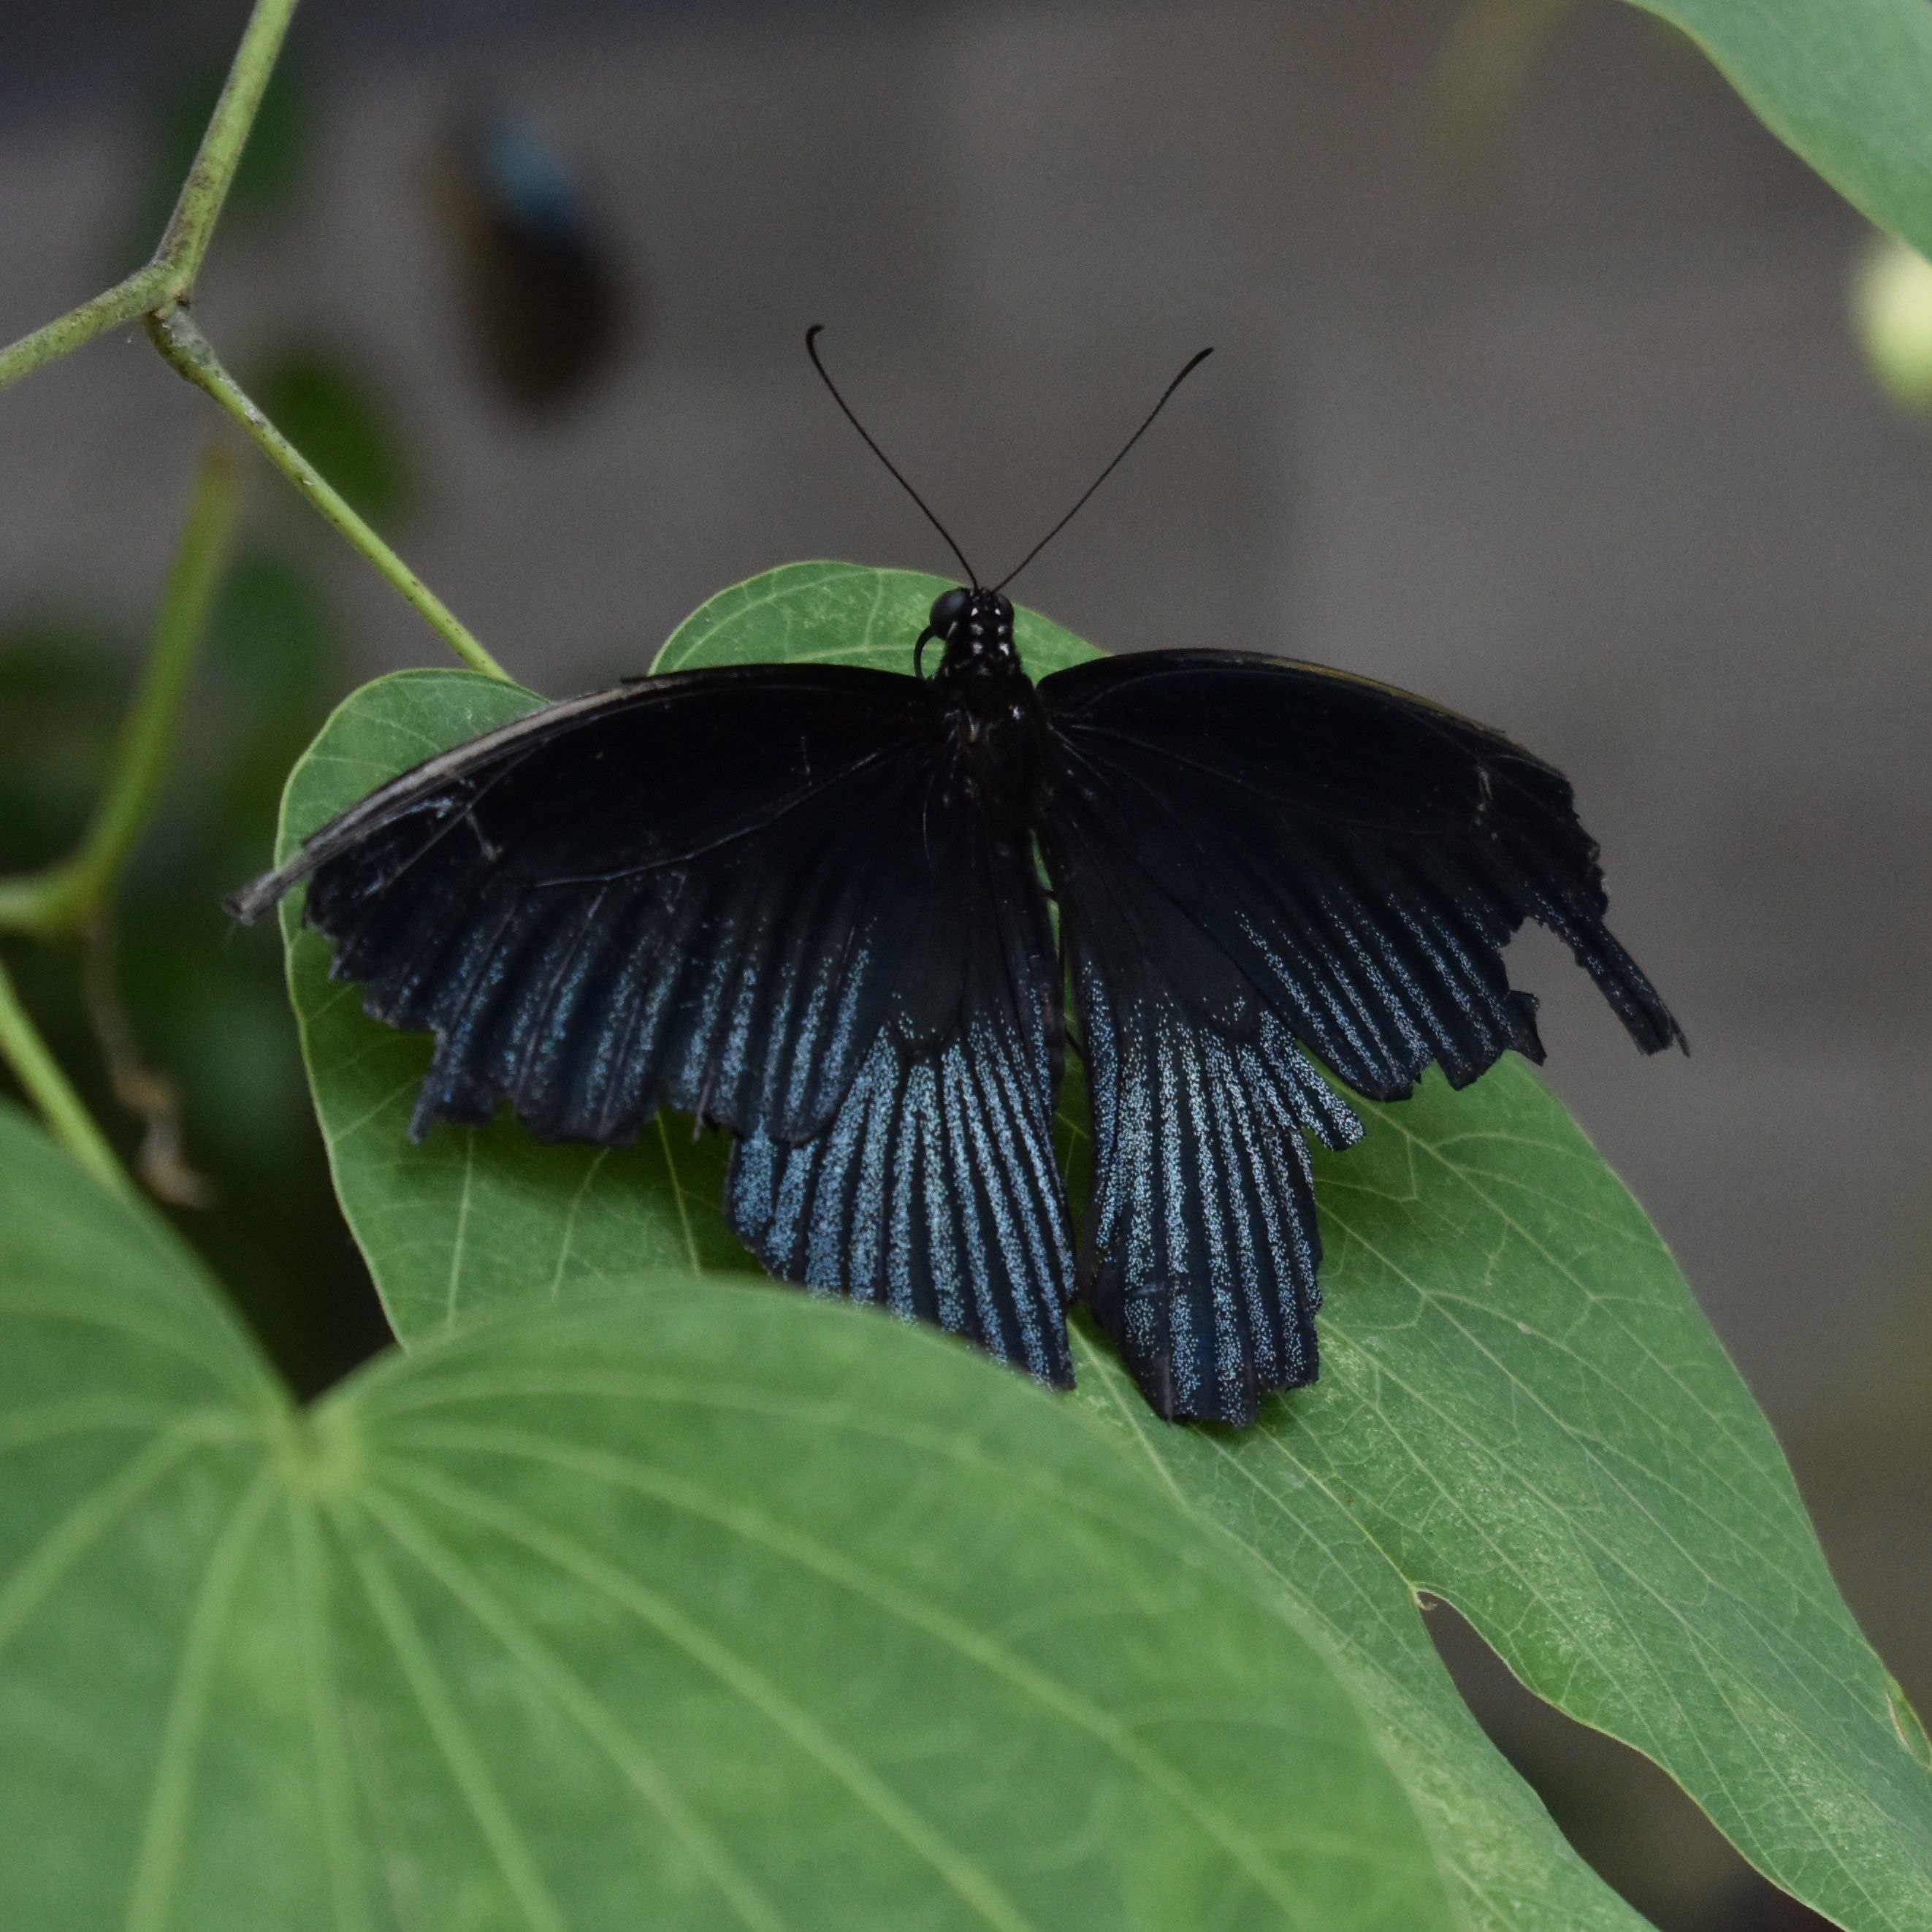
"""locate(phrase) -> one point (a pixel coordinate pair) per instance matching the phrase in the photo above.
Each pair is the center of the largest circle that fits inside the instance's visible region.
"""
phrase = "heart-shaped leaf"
(1521, 1410)
(706, 1607)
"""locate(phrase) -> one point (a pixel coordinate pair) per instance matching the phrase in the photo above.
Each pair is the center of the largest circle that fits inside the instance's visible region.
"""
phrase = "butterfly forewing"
(655, 896)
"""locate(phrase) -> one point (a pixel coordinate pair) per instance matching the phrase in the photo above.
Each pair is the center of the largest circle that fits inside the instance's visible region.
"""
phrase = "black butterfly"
(806, 901)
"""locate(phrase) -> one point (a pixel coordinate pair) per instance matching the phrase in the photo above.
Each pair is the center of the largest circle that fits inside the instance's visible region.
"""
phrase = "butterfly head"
(976, 628)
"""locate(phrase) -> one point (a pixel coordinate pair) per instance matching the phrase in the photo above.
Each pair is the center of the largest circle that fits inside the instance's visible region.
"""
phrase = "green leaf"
(1847, 83)
(1522, 1407)
(840, 613)
(710, 1607)
(1509, 1866)
(478, 1217)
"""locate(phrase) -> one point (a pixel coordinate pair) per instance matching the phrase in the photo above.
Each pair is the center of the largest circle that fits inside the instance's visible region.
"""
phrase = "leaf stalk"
(181, 341)
(60, 899)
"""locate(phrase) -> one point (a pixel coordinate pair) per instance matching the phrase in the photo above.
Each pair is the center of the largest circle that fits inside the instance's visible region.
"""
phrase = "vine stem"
(170, 276)
(22, 1048)
(66, 896)
(161, 292)
(62, 898)
(122, 303)
(191, 353)
(197, 208)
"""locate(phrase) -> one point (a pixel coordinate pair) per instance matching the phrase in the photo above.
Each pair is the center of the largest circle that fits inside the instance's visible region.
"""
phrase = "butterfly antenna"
(811, 350)
(1193, 363)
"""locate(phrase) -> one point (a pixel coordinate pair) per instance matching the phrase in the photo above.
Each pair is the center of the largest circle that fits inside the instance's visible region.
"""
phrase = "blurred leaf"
(1490, 48)
(62, 687)
(1847, 84)
(271, 630)
(338, 421)
(711, 1607)
(1892, 309)
(273, 652)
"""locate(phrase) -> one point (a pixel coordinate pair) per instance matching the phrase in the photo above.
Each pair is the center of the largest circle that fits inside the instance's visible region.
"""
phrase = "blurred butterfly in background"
(806, 901)
(545, 303)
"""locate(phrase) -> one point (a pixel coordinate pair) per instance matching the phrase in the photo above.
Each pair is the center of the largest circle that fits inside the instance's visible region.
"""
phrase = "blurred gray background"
(1535, 392)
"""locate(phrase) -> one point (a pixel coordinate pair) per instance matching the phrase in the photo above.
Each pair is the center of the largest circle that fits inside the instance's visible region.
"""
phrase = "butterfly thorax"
(990, 702)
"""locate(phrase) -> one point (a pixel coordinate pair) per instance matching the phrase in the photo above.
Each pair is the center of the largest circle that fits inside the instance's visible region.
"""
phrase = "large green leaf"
(706, 1607)
(476, 1216)
(1847, 83)
(1522, 1409)
(1522, 1412)
(1509, 1866)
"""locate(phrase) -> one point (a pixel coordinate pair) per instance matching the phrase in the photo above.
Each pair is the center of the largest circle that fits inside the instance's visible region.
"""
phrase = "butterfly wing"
(936, 1189)
(752, 894)
(1255, 860)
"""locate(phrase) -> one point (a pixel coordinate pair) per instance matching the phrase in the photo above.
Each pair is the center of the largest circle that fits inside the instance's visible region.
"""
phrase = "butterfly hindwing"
(1200, 1250)
(1253, 857)
(935, 1192)
(1360, 855)
(754, 894)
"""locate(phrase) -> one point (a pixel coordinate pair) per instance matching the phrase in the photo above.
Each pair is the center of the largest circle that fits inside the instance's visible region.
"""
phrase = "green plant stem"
(120, 304)
(177, 337)
(161, 292)
(70, 1123)
(191, 227)
(60, 898)
(170, 276)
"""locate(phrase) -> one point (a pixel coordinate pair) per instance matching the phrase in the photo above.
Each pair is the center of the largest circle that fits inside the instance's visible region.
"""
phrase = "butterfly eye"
(947, 610)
